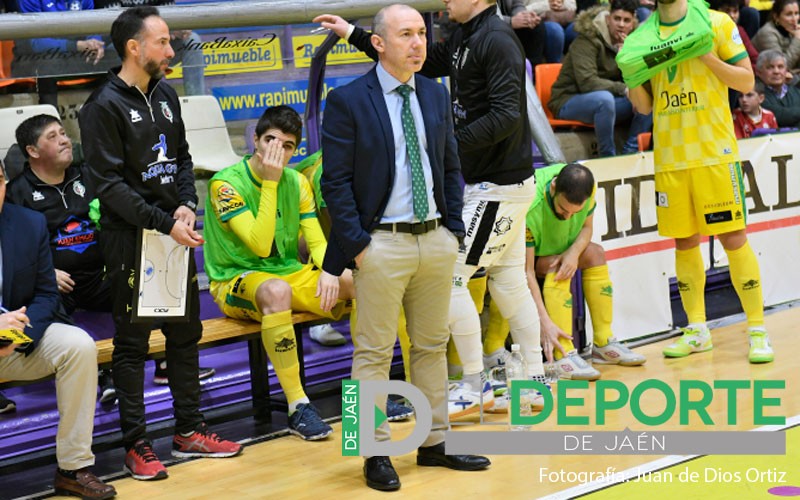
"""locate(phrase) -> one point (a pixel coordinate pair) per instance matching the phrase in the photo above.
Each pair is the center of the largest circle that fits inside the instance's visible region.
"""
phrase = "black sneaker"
(6, 405)
(306, 423)
(397, 412)
(107, 391)
(160, 377)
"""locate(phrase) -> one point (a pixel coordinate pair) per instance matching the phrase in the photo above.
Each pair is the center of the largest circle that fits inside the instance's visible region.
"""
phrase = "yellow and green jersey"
(692, 124)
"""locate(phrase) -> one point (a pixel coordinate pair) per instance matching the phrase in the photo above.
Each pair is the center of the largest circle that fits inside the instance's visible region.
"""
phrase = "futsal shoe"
(203, 443)
(462, 400)
(574, 367)
(694, 339)
(326, 335)
(497, 358)
(397, 412)
(307, 423)
(616, 353)
(760, 346)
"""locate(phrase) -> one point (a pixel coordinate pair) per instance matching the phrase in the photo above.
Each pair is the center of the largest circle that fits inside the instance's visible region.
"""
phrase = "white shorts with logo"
(494, 217)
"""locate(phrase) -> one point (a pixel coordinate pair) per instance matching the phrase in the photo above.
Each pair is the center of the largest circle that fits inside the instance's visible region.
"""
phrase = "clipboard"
(15, 336)
(161, 281)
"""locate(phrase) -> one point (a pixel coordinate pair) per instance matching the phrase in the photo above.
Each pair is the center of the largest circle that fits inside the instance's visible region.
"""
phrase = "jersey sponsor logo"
(718, 217)
(502, 225)
(37, 196)
(79, 189)
(166, 111)
(228, 200)
(163, 167)
(135, 116)
(680, 99)
(75, 235)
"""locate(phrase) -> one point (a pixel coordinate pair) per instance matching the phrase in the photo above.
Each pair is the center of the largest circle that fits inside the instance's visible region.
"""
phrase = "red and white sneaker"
(142, 463)
(203, 443)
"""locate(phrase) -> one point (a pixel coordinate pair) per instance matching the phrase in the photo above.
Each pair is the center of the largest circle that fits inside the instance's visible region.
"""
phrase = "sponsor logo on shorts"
(662, 200)
(495, 249)
(717, 217)
(734, 183)
(751, 285)
(502, 225)
(285, 345)
(476, 217)
(458, 281)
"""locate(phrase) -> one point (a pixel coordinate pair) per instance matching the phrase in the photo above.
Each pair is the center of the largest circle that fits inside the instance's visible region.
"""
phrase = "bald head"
(379, 21)
(399, 37)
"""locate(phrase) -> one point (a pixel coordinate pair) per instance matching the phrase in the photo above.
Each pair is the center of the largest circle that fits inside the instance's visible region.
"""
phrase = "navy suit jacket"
(28, 275)
(359, 158)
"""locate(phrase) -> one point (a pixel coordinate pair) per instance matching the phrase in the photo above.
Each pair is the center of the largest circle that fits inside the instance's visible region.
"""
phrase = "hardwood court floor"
(290, 468)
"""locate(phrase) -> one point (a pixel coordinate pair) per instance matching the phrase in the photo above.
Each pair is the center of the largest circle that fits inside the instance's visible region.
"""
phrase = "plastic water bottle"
(517, 369)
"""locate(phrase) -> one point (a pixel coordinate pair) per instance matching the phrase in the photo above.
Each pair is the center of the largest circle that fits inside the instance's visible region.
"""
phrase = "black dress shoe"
(434, 456)
(380, 474)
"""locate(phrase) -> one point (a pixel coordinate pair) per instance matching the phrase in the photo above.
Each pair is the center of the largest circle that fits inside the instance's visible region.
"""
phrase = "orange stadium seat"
(644, 140)
(546, 75)
(6, 55)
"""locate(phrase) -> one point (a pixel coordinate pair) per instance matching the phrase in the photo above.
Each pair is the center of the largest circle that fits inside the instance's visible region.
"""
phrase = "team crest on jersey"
(79, 188)
(671, 72)
(37, 196)
(736, 37)
(135, 116)
(166, 111)
(502, 226)
(75, 5)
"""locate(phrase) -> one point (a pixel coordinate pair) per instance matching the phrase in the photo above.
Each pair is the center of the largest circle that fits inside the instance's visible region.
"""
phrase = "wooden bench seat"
(222, 331)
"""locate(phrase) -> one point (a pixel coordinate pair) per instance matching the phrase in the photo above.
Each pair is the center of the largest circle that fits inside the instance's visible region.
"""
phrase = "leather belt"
(411, 228)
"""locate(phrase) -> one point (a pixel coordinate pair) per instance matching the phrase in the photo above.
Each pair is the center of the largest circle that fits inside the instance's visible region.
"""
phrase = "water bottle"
(517, 369)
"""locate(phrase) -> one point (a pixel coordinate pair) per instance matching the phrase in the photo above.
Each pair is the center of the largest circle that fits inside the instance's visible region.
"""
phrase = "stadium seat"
(644, 140)
(12, 117)
(207, 134)
(546, 75)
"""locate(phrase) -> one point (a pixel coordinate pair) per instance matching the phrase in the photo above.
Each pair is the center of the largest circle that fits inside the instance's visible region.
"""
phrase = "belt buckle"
(420, 228)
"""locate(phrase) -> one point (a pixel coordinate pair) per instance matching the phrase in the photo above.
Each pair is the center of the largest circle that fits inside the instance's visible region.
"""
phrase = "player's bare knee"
(733, 241)
(274, 296)
(592, 256)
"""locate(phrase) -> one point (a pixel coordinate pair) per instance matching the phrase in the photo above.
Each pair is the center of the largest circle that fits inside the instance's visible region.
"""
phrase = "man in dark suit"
(391, 184)
(29, 292)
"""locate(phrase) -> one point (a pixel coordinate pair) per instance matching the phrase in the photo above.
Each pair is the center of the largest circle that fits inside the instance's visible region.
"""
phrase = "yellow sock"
(405, 344)
(497, 331)
(691, 275)
(277, 334)
(452, 353)
(599, 293)
(558, 301)
(477, 290)
(402, 335)
(746, 279)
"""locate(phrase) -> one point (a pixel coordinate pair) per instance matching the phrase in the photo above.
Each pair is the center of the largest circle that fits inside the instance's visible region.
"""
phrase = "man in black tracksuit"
(486, 66)
(135, 144)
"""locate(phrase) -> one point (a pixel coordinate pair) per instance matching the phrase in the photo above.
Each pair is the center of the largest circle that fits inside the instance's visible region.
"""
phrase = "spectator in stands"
(29, 292)
(396, 221)
(186, 45)
(750, 116)
(733, 8)
(144, 178)
(51, 57)
(251, 256)
(485, 64)
(779, 97)
(557, 18)
(590, 87)
(782, 32)
(528, 27)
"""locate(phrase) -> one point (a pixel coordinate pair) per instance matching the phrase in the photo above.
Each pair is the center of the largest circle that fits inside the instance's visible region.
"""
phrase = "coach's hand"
(327, 290)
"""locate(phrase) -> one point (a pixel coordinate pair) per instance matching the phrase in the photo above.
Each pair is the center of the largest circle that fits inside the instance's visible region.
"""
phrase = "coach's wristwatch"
(190, 205)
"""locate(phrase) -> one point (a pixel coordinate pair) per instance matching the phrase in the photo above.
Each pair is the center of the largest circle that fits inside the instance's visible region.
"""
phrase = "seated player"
(559, 233)
(251, 254)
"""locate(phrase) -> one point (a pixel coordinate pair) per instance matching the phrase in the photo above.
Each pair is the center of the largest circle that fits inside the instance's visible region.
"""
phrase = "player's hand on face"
(327, 290)
(270, 162)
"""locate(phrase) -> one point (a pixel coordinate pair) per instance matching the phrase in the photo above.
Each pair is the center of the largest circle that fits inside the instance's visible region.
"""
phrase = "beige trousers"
(415, 272)
(70, 354)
